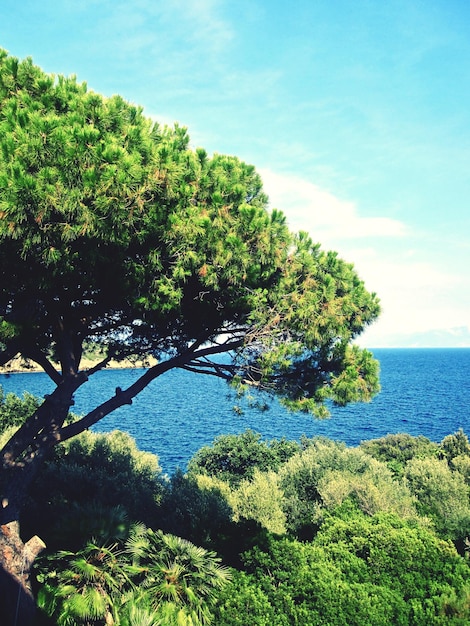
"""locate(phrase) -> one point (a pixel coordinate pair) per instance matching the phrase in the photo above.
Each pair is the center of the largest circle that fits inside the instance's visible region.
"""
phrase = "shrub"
(260, 499)
(198, 511)
(442, 495)
(455, 445)
(373, 490)
(397, 450)
(326, 473)
(15, 410)
(233, 458)
(375, 570)
(88, 473)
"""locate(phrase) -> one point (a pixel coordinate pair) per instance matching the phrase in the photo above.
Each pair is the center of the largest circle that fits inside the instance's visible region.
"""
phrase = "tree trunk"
(22, 458)
(17, 602)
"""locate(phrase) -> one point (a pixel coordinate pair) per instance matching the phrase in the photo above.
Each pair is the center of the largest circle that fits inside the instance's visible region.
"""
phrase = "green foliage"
(307, 484)
(260, 499)
(14, 411)
(442, 495)
(409, 560)
(366, 570)
(233, 458)
(397, 450)
(80, 588)
(169, 579)
(455, 445)
(244, 599)
(198, 513)
(173, 571)
(461, 464)
(114, 231)
(323, 475)
(373, 489)
(88, 477)
(368, 555)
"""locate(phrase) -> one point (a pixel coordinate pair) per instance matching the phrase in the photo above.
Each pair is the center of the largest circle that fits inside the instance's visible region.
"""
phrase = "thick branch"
(8, 354)
(54, 409)
(126, 396)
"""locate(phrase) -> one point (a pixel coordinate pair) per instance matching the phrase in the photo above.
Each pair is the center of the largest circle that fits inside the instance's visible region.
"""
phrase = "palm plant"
(176, 576)
(154, 580)
(81, 587)
(137, 610)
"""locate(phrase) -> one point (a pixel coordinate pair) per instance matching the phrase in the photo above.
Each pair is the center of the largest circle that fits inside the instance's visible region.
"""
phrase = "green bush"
(201, 514)
(455, 445)
(461, 464)
(326, 473)
(260, 499)
(442, 495)
(365, 570)
(364, 544)
(299, 479)
(86, 475)
(233, 458)
(374, 489)
(15, 410)
(397, 450)
(300, 584)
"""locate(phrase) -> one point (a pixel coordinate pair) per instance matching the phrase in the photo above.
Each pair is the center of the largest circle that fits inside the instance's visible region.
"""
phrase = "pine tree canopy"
(115, 231)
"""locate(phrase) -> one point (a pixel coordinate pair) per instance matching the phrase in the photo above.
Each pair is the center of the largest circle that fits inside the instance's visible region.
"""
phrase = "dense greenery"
(233, 458)
(114, 231)
(314, 532)
(94, 485)
(359, 570)
(14, 410)
(319, 533)
(152, 578)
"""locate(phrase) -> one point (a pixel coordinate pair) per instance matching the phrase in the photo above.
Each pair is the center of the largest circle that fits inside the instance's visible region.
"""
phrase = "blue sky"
(355, 112)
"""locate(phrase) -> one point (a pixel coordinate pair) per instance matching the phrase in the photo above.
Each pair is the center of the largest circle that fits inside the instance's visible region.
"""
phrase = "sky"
(356, 113)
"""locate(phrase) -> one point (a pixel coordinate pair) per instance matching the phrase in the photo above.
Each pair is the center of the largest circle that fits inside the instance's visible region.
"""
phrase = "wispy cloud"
(191, 28)
(321, 213)
(405, 278)
(417, 294)
(203, 23)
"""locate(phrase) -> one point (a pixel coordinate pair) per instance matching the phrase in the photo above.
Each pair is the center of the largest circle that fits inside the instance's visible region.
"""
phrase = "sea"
(424, 392)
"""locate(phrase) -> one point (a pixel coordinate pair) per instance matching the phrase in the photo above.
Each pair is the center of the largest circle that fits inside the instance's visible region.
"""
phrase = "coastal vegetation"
(269, 533)
(115, 232)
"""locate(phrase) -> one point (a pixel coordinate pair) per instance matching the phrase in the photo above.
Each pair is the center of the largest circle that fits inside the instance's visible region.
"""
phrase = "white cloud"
(317, 211)
(202, 23)
(417, 294)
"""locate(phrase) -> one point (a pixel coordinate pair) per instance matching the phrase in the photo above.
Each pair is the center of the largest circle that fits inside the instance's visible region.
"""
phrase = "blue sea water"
(424, 392)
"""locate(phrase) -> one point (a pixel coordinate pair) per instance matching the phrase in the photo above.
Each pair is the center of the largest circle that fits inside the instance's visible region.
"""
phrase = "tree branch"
(38, 357)
(99, 366)
(125, 396)
(53, 410)
(216, 371)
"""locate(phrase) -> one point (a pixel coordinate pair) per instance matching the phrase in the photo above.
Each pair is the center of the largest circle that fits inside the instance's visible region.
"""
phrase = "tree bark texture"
(17, 602)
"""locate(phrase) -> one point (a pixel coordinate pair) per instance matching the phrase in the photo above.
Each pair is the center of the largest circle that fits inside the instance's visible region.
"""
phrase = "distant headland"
(20, 365)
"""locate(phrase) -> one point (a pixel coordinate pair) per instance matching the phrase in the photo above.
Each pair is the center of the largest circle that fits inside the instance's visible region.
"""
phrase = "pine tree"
(114, 231)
